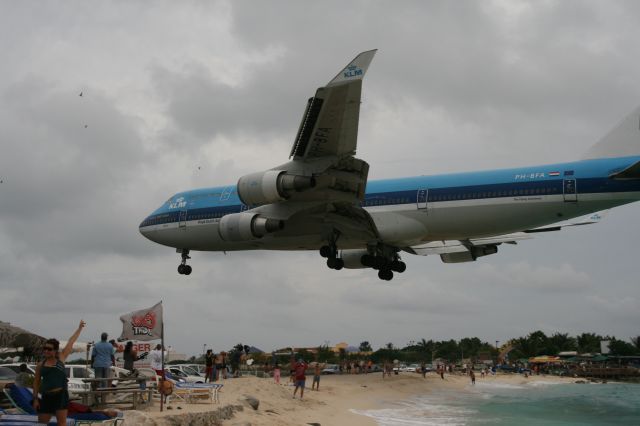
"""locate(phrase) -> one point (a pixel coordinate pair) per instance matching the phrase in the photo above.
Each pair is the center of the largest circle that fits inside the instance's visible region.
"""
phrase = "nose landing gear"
(183, 268)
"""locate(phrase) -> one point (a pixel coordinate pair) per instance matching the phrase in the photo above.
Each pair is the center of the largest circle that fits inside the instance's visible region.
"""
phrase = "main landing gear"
(386, 265)
(331, 253)
(183, 268)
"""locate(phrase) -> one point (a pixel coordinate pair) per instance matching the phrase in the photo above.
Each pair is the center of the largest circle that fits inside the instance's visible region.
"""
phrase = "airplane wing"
(323, 182)
(329, 125)
(468, 250)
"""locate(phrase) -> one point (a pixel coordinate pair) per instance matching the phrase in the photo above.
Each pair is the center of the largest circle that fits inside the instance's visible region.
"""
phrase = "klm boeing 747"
(321, 199)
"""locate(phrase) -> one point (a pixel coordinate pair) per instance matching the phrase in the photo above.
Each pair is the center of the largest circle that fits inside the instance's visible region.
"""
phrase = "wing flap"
(438, 247)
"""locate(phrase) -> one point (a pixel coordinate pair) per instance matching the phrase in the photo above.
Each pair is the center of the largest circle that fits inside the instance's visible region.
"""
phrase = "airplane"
(321, 200)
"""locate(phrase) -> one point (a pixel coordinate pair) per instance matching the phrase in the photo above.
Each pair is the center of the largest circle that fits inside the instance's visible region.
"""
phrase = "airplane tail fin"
(355, 70)
(622, 141)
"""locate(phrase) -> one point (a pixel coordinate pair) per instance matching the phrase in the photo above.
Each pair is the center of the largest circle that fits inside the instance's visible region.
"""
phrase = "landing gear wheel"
(385, 274)
(335, 263)
(398, 266)
(339, 264)
(183, 268)
(325, 251)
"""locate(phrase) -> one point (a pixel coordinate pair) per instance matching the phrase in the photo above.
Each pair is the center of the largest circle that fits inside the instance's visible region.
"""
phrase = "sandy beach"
(332, 405)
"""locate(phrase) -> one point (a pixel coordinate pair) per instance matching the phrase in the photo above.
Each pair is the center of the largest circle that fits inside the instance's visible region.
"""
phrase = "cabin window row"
(158, 220)
(494, 194)
(385, 201)
(214, 215)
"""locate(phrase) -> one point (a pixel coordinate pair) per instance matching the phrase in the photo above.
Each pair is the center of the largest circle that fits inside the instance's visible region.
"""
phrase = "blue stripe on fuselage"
(591, 175)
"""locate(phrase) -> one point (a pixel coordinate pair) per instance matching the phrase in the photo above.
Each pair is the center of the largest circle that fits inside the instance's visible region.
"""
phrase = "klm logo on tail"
(352, 71)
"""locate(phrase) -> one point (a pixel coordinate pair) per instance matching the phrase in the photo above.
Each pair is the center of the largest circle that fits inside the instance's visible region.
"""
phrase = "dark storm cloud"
(182, 95)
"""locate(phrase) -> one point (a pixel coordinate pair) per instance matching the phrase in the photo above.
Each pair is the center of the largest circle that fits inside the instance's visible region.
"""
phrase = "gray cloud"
(186, 95)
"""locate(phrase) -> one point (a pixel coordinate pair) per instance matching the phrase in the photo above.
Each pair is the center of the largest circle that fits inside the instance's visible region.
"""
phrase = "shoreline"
(342, 399)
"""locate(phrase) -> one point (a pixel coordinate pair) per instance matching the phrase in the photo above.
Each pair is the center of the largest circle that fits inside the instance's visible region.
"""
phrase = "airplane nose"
(144, 228)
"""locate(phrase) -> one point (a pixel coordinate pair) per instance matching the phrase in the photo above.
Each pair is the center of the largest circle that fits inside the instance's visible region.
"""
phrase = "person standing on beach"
(423, 370)
(129, 356)
(316, 377)
(385, 368)
(102, 358)
(276, 374)
(51, 380)
(208, 362)
(218, 364)
(300, 377)
(224, 365)
(155, 359)
(473, 377)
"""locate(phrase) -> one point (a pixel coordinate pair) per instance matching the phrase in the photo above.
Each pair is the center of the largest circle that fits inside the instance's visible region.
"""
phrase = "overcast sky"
(178, 95)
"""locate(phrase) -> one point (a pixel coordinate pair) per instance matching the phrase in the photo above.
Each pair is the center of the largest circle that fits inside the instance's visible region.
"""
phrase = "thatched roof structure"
(15, 337)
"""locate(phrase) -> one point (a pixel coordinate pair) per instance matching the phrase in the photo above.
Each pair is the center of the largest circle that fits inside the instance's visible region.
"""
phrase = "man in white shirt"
(155, 358)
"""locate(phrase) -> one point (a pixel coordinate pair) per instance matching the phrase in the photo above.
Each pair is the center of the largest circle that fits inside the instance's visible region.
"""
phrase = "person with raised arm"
(51, 380)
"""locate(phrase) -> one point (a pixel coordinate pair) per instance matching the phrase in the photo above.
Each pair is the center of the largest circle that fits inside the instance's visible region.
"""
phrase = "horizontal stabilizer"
(471, 245)
(589, 219)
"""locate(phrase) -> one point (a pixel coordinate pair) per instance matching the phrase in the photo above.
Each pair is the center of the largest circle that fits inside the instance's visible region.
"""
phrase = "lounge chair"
(194, 392)
(21, 398)
(27, 420)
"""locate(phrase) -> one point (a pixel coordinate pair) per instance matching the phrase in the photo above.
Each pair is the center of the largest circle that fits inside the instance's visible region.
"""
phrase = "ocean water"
(535, 403)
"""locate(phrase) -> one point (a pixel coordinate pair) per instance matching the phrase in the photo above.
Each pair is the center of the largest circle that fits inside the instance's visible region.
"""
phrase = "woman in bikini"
(51, 380)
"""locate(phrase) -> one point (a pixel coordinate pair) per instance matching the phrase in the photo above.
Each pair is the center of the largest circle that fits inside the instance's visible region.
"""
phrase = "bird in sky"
(80, 94)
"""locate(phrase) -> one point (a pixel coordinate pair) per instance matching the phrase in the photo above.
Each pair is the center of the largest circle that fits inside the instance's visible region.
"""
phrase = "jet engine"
(247, 226)
(271, 186)
(468, 256)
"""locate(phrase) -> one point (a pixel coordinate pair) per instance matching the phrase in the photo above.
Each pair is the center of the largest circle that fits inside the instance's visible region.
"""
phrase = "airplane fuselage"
(414, 210)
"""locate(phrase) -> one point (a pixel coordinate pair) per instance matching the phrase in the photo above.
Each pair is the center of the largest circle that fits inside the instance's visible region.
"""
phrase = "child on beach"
(316, 377)
(276, 373)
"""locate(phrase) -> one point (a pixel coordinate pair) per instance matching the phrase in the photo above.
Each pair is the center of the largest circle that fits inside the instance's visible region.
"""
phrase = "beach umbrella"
(599, 358)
